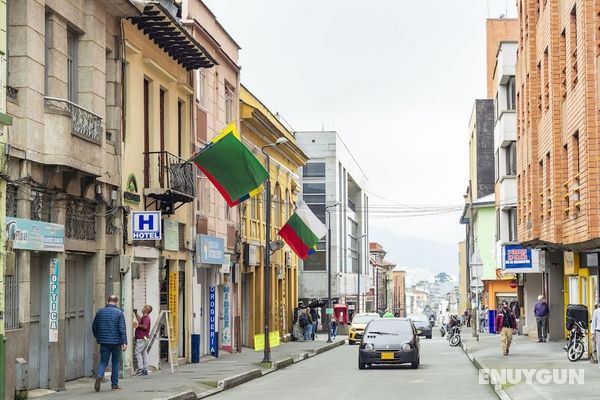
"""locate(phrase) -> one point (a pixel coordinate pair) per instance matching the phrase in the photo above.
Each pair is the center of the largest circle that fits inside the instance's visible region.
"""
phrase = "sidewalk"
(526, 353)
(210, 376)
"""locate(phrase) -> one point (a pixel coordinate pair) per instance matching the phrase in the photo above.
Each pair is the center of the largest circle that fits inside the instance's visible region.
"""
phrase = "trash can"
(195, 348)
(492, 321)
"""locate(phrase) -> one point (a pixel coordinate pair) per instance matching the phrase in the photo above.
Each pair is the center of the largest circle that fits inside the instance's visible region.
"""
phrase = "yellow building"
(260, 127)
(159, 56)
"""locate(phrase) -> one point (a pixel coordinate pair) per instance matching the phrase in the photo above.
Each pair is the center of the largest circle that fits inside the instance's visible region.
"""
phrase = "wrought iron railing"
(84, 123)
(166, 170)
(111, 222)
(12, 94)
(80, 220)
(40, 206)
(11, 200)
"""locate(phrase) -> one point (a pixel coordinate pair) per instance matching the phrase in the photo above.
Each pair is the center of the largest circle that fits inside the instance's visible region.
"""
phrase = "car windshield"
(363, 319)
(418, 317)
(390, 327)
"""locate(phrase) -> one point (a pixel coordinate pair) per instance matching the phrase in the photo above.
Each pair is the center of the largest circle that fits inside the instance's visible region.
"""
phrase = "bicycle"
(575, 347)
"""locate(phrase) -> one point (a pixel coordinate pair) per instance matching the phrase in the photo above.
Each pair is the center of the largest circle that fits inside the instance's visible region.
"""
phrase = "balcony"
(84, 123)
(506, 62)
(168, 179)
(505, 131)
(507, 196)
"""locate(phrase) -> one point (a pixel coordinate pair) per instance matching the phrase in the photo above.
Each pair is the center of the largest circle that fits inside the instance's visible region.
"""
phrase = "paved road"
(445, 373)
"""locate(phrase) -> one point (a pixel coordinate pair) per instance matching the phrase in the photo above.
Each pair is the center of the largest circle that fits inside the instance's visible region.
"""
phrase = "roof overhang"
(160, 22)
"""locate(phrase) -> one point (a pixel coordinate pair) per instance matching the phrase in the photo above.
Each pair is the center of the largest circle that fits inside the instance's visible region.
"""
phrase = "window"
(314, 170)
(316, 261)
(510, 94)
(562, 47)
(573, 290)
(11, 301)
(229, 98)
(573, 45)
(180, 133)
(277, 202)
(254, 211)
(512, 224)
(546, 88)
(72, 67)
(576, 154)
(200, 87)
(314, 196)
(511, 159)
(46, 54)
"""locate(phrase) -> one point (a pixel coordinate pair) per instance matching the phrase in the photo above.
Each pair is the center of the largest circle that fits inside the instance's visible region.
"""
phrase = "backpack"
(303, 320)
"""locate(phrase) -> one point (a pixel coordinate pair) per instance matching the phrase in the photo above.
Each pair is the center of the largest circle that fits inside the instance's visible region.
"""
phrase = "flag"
(231, 167)
(303, 230)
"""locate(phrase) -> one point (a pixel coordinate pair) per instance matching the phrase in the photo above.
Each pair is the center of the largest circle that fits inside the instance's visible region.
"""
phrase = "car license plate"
(387, 355)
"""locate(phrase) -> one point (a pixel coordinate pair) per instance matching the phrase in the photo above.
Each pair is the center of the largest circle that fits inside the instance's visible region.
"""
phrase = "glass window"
(318, 210)
(510, 93)
(511, 159)
(72, 67)
(200, 87)
(512, 224)
(396, 327)
(229, 111)
(313, 188)
(316, 262)
(314, 170)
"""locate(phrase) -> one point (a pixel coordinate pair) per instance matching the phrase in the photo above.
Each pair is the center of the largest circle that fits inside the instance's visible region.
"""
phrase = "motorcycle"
(575, 347)
(432, 321)
(454, 333)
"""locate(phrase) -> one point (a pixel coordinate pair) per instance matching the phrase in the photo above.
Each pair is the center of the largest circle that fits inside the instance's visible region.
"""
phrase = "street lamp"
(267, 270)
(329, 305)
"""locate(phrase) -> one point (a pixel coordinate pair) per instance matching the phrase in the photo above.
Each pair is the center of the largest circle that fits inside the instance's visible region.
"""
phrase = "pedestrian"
(109, 330)
(482, 318)
(297, 331)
(506, 325)
(388, 314)
(596, 329)
(142, 333)
(306, 324)
(334, 326)
(314, 315)
(541, 312)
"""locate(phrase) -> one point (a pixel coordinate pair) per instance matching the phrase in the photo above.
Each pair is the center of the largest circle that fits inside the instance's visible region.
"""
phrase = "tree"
(442, 277)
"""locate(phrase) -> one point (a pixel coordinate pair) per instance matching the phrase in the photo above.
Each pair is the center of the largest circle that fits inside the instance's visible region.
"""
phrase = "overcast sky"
(395, 78)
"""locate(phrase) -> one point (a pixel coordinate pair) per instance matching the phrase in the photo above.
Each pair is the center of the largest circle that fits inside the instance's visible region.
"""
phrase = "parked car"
(358, 324)
(422, 324)
(390, 341)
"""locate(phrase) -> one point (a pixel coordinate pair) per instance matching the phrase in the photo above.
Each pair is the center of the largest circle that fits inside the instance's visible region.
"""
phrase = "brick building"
(557, 146)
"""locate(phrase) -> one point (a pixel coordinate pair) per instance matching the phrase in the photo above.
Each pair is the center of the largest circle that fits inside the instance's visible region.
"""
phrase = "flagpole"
(267, 268)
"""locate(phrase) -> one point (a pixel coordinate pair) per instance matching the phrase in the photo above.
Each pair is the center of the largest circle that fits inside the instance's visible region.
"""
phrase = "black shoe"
(540, 340)
(144, 372)
(97, 383)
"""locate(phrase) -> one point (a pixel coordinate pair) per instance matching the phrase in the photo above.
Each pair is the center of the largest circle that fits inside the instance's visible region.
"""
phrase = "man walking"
(142, 332)
(314, 315)
(109, 330)
(596, 329)
(541, 312)
(506, 324)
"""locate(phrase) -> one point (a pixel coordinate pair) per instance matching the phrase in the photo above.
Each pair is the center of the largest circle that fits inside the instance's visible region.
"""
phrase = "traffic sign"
(329, 311)
(146, 225)
(476, 285)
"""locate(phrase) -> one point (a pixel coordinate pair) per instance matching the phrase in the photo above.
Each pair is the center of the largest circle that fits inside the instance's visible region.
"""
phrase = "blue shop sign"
(35, 235)
(517, 257)
(211, 250)
(212, 322)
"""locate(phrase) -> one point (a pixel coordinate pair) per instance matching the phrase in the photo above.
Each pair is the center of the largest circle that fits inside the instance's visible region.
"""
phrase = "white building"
(333, 182)
(505, 148)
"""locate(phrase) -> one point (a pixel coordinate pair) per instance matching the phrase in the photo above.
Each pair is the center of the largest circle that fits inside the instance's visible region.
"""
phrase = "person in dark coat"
(110, 333)
(506, 325)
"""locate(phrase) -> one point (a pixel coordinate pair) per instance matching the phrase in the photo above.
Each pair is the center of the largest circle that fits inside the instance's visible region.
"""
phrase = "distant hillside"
(411, 252)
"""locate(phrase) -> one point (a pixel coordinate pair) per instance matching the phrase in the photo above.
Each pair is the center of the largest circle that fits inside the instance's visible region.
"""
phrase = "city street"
(445, 372)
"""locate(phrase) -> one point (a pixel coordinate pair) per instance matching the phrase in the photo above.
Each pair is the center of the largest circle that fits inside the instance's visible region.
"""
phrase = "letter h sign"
(146, 225)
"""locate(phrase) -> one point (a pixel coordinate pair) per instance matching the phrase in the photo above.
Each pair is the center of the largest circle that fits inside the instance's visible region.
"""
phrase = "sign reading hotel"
(35, 235)
(53, 282)
(146, 225)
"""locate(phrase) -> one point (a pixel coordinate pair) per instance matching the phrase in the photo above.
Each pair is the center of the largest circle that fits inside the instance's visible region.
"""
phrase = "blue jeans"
(110, 351)
(308, 332)
(334, 330)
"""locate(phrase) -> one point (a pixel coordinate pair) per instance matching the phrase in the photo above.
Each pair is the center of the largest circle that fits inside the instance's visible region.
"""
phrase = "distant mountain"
(417, 253)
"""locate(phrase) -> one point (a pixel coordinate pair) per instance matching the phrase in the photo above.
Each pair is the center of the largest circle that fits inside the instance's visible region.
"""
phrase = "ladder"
(172, 345)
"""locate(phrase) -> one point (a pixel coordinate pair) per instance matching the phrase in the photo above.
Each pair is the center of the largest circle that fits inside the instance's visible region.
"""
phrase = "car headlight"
(369, 347)
(406, 347)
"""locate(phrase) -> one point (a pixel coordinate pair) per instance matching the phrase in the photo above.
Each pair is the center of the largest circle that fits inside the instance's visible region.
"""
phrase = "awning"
(159, 21)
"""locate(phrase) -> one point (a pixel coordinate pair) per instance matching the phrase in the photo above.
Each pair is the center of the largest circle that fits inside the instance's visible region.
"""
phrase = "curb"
(183, 396)
(500, 392)
(239, 379)
(236, 380)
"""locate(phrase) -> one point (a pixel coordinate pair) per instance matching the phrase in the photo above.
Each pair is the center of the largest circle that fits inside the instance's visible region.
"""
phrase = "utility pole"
(329, 304)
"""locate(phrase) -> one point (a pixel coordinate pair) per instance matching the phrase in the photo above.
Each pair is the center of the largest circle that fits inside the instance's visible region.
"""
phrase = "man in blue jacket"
(109, 331)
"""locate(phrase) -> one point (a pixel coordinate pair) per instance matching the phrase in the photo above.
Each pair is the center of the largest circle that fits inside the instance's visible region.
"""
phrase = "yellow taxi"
(358, 325)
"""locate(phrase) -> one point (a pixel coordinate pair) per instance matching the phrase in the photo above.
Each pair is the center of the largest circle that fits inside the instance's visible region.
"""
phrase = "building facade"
(334, 184)
(215, 105)
(557, 177)
(259, 127)
(64, 175)
(398, 305)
